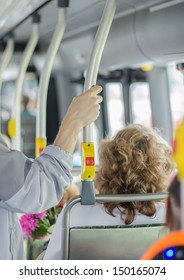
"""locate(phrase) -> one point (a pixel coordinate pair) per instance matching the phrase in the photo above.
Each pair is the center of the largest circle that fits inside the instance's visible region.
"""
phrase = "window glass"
(30, 88)
(115, 107)
(140, 102)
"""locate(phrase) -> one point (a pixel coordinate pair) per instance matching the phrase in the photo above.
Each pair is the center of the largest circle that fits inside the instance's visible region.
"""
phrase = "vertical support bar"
(45, 76)
(16, 115)
(96, 54)
(88, 153)
(160, 101)
(5, 60)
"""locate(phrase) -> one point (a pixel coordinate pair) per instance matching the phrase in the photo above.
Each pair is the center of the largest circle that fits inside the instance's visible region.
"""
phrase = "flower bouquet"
(37, 229)
(37, 226)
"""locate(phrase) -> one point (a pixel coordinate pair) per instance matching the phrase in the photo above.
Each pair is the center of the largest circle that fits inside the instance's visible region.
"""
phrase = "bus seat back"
(113, 243)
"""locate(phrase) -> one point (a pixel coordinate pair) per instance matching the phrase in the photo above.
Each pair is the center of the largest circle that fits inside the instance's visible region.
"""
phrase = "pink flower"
(40, 215)
(36, 225)
(28, 224)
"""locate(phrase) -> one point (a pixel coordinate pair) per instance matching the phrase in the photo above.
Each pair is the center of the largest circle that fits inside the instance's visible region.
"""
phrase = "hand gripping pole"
(45, 76)
(88, 159)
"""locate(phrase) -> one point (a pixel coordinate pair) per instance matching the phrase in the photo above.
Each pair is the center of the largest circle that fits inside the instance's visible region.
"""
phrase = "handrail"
(99, 199)
(26, 57)
(5, 60)
(45, 76)
(7, 55)
(96, 54)
(88, 154)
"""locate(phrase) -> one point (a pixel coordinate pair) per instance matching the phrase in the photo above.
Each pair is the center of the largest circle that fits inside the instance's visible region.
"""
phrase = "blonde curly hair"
(137, 161)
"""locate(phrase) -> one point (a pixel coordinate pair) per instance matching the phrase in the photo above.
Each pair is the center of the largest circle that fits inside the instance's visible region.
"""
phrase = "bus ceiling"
(14, 12)
(142, 31)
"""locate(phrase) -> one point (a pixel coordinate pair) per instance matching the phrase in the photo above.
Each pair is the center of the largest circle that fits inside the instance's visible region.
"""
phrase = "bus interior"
(140, 70)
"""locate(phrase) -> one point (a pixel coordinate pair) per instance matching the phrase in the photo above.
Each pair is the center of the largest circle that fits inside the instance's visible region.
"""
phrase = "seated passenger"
(136, 161)
(28, 128)
(173, 205)
(165, 248)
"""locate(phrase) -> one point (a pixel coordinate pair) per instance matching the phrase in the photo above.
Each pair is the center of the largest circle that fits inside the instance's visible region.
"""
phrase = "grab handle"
(45, 76)
(88, 152)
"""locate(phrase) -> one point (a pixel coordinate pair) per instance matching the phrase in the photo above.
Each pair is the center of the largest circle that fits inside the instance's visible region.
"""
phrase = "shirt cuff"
(58, 153)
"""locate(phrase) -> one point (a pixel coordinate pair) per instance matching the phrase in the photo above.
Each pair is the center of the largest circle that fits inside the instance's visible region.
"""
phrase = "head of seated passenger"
(136, 161)
(173, 205)
(25, 102)
(26, 112)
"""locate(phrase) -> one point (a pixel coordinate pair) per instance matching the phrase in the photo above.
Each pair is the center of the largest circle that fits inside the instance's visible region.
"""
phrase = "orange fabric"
(171, 240)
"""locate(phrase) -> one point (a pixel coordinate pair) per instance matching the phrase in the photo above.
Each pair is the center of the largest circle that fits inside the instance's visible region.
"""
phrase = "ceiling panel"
(13, 12)
(81, 14)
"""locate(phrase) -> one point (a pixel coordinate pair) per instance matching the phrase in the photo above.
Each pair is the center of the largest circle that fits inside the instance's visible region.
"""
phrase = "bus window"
(176, 84)
(115, 107)
(141, 105)
(30, 88)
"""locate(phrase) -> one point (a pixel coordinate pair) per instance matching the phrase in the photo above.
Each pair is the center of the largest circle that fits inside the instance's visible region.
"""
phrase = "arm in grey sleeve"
(12, 164)
(44, 183)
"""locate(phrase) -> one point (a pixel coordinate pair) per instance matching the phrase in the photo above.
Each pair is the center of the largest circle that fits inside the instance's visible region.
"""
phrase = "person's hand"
(83, 110)
(69, 193)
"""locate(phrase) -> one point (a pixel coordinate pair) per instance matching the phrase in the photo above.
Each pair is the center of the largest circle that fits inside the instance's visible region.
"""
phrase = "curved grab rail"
(96, 54)
(88, 153)
(7, 55)
(16, 137)
(5, 60)
(45, 77)
(99, 199)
